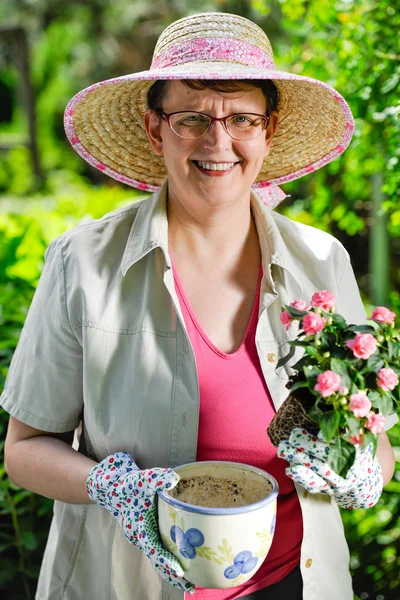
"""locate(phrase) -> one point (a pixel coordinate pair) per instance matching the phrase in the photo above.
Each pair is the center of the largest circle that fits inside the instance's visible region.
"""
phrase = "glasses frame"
(166, 117)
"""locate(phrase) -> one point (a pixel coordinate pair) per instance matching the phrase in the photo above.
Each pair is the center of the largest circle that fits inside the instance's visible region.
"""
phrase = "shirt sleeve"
(44, 384)
(349, 304)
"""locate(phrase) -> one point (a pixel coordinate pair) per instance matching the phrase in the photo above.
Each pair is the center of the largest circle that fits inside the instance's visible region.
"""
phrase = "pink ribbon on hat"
(215, 49)
(270, 194)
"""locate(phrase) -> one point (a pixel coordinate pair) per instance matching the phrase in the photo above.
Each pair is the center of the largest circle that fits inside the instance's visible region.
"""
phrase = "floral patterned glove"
(308, 458)
(130, 495)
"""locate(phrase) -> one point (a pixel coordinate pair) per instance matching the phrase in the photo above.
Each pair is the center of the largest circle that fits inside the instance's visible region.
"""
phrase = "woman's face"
(187, 181)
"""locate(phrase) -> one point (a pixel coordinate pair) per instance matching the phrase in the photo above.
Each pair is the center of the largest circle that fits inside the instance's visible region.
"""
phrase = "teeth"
(216, 167)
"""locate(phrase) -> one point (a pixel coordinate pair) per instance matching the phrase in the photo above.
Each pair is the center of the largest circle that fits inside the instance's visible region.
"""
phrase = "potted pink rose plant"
(346, 381)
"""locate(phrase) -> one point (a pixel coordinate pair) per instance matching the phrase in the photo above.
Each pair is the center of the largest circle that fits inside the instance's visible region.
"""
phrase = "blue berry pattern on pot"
(188, 541)
(243, 563)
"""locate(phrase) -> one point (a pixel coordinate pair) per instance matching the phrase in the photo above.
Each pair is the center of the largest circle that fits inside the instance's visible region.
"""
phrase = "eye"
(242, 120)
(192, 120)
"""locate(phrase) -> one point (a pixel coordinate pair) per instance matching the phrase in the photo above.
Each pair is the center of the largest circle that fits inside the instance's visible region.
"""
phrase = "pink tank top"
(235, 410)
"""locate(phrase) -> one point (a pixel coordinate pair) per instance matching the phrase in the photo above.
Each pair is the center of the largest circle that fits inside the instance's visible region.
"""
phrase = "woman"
(157, 327)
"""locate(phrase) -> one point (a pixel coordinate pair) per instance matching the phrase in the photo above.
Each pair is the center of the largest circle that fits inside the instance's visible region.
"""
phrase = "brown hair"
(158, 90)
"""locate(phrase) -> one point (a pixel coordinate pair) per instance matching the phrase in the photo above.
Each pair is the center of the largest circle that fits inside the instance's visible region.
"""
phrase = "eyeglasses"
(193, 125)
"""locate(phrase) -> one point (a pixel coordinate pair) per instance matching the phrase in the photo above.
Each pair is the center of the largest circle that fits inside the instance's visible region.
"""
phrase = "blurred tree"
(16, 40)
(353, 46)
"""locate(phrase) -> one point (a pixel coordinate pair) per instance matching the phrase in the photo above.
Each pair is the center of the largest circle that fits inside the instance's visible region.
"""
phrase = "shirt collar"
(271, 241)
(150, 230)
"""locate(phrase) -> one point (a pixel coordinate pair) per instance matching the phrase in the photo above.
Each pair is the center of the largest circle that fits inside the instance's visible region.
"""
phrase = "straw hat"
(104, 121)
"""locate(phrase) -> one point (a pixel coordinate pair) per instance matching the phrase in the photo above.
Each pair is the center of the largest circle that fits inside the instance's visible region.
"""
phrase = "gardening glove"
(130, 495)
(308, 458)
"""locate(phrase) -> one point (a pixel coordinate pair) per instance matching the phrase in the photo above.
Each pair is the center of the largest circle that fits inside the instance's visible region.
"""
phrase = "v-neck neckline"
(206, 338)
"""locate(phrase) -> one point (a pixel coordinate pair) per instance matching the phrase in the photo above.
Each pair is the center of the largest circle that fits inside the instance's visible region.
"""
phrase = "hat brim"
(104, 124)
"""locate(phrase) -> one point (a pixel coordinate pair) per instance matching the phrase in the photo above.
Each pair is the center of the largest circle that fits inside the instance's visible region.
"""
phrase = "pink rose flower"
(387, 379)
(375, 422)
(324, 299)
(363, 345)
(300, 305)
(355, 439)
(286, 319)
(328, 382)
(360, 404)
(383, 315)
(312, 323)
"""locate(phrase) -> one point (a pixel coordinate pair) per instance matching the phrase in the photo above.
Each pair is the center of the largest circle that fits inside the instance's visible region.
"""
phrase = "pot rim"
(206, 510)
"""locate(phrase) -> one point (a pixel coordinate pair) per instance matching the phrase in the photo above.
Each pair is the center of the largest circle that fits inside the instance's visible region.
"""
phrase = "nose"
(217, 137)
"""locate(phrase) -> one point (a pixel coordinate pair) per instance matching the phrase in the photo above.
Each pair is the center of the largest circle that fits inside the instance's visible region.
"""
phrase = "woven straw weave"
(217, 26)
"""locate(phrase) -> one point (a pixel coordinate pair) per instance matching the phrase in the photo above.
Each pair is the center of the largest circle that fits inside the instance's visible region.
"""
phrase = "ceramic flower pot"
(219, 547)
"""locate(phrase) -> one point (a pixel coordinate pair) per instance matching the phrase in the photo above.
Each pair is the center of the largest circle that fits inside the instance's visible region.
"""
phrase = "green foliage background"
(350, 44)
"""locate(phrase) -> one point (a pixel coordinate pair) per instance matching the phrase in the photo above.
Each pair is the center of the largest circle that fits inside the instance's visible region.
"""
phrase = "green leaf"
(339, 321)
(46, 507)
(298, 343)
(353, 388)
(340, 368)
(314, 371)
(29, 540)
(395, 350)
(353, 424)
(374, 363)
(315, 414)
(361, 328)
(384, 404)
(382, 401)
(328, 341)
(282, 361)
(339, 352)
(311, 351)
(329, 423)
(295, 313)
(14, 487)
(304, 360)
(396, 393)
(370, 438)
(341, 456)
(375, 398)
(298, 385)
(20, 496)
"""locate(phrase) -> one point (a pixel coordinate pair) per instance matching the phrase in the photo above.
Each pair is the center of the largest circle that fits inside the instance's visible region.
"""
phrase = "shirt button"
(308, 563)
(271, 357)
(305, 495)
(185, 346)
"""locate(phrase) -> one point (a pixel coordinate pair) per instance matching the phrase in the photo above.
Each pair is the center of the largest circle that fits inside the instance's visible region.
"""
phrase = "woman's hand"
(130, 495)
(308, 458)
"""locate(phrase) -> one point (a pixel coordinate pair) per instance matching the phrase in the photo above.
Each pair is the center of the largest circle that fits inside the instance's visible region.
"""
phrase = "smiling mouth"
(210, 166)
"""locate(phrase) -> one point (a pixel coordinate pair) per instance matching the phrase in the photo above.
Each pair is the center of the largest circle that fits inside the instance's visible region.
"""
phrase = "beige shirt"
(105, 343)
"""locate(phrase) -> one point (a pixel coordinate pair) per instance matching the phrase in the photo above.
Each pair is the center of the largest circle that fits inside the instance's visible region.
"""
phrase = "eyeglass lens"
(192, 125)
